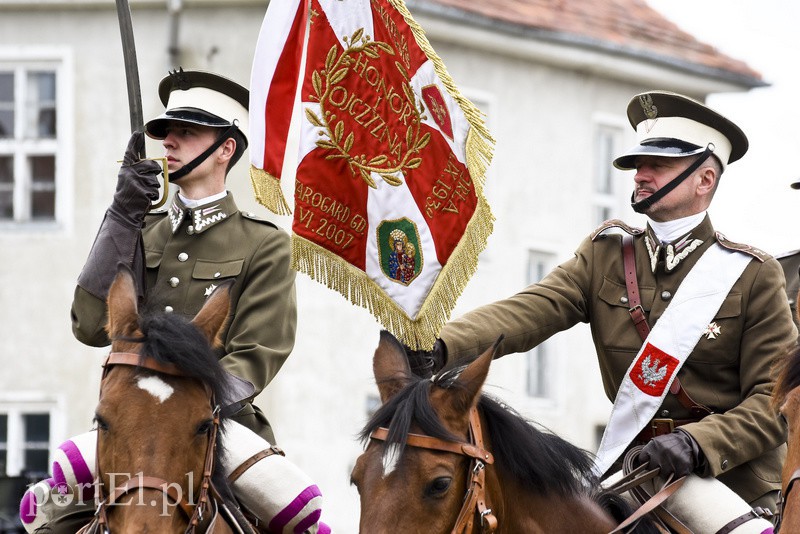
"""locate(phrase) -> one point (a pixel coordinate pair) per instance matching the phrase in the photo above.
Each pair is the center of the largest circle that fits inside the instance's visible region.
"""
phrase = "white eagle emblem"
(651, 373)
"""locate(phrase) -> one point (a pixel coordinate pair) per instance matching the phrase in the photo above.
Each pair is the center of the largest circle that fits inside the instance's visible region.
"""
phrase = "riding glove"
(137, 185)
(676, 453)
(119, 239)
(426, 363)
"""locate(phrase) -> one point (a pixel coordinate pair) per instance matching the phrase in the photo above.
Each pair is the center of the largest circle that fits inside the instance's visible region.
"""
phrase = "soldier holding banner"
(686, 323)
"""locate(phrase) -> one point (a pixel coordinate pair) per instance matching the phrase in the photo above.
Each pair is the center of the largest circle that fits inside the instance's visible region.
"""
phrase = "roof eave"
(573, 51)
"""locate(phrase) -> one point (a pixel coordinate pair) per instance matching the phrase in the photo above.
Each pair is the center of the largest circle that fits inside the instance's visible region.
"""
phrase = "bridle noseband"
(475, 500)
(194, 512)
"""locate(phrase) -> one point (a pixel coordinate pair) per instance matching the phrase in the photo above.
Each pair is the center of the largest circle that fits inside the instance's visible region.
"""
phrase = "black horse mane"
(539, 460)
(172, 339)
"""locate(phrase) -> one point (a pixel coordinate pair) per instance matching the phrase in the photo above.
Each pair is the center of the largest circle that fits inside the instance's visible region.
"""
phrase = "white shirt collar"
(194, 203)
(667, 232)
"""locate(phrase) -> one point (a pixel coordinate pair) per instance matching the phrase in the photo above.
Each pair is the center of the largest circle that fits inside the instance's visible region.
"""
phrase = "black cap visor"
(665, 147)
(157, 128)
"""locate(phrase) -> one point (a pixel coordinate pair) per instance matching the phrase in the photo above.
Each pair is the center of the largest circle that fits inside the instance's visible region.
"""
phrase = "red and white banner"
(388, 201)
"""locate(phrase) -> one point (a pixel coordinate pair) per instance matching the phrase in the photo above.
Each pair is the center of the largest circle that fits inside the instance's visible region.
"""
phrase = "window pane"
(36, 461)
(37, 427)
(6, 105)
(43, 170)
(41, 105)
(43, 206)
(6, 187)
(6, 170)
(3, 430)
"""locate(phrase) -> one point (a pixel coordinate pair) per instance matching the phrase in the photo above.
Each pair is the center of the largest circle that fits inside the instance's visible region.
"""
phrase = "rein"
(193, 512)
(784, 496)
(475, 498)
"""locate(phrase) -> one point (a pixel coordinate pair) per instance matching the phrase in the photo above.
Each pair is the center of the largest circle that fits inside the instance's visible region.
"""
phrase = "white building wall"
(539, 187)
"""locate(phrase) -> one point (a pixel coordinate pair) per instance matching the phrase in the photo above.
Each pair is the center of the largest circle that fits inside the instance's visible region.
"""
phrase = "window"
(29, 141)
(607, 187)
(26, 438)
(540, 375)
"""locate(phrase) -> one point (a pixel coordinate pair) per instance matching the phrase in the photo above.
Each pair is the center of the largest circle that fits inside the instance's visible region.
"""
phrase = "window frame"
(23, 60)
(548, 347)
(612, 200)
(18, 404)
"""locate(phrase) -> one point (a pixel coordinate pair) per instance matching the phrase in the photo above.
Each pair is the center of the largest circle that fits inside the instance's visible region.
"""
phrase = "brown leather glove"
(426, 363)
(676, 453)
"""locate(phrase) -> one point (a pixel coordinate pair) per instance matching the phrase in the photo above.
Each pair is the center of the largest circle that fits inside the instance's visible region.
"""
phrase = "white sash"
(667, 347)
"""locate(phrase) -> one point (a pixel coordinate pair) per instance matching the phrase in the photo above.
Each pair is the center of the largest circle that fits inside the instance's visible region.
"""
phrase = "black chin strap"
(644, 204)
(189, 167)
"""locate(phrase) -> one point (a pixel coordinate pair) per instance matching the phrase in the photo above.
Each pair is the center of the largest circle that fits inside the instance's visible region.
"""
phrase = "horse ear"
(123, 312)
(473, 377)
(390, 366)
(213, 315)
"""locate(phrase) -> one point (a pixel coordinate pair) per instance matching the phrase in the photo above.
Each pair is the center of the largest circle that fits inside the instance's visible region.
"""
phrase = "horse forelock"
(788, 371)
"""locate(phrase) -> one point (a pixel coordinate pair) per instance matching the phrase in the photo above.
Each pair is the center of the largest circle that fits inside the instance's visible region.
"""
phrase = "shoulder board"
(784, 255)
(758, 254)
(253, 217)
(615, 223)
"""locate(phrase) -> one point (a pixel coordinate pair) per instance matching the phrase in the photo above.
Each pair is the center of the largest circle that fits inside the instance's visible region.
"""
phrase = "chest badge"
(712, 331)
(210, 289)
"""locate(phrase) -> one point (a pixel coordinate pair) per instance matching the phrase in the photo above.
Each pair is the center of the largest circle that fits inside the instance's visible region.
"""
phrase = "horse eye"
(99, 423)
(204, 427)
(438, 487)
(783, 418)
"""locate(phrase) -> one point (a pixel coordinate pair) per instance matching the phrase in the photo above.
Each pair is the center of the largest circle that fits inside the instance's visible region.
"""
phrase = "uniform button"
(174, 281)
(724, 464)
(190, 230)
(183, 256)
(217, 274)
(168, 309)
(664, 413)
(666, 295)
(623, 300)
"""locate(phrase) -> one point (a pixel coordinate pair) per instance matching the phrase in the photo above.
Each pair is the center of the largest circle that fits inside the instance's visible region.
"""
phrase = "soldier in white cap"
(180, 256)
(686, 345)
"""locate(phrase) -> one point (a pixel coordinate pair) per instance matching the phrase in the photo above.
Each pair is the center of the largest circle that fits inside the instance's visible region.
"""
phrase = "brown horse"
(157, 419)
(786, 399)
(428, 467)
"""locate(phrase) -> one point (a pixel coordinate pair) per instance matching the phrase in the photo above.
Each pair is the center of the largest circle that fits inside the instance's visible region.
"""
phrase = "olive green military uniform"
(188, 253)
(728, 371)
(790, 261)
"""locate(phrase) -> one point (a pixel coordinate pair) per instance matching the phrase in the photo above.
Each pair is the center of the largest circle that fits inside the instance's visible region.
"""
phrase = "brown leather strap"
(632, 286)
(250, 462)
(735, 523)
(137, 360)
(428, 442)
(640, 322)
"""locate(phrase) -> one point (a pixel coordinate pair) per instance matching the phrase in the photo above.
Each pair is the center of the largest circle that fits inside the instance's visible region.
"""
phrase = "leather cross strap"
(253, 460)
(640, 322)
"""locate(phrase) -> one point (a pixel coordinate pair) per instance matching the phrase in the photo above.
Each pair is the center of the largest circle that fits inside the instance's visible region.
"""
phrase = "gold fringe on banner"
(421, 331)
(267, 190)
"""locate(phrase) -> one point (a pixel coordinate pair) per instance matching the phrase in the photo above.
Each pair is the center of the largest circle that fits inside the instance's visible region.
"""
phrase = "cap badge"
(179, 79)
(650, 109)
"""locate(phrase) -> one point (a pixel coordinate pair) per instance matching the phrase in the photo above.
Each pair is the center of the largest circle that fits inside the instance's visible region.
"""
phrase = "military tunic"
(728, 371)
(790, 261)
(188, 253)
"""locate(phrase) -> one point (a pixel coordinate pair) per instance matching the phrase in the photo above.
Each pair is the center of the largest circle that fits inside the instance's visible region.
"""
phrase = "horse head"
(443, 457)
(414, 488)
(786, 401)
(158, 412)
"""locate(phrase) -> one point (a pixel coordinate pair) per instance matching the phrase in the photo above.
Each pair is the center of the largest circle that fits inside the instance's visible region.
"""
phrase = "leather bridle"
(193, 511)
(784, 496)
(475, 500)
